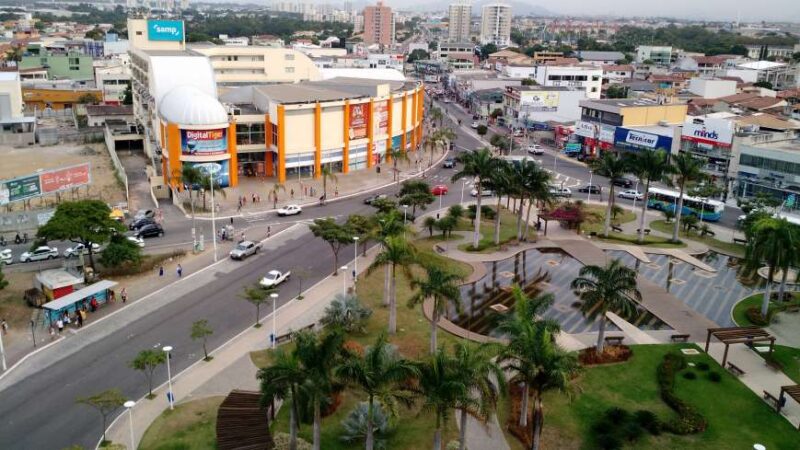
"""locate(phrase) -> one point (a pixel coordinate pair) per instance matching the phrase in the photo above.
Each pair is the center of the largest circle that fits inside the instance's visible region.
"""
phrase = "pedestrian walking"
(60, 325)
(4, 326)
(231, 220)
(179, 270)
(160, 271)
(305, 191)
(94, 305)
(253, 197)
(336, 192)
(291, 193)
(269, 230)
(124, 295)
(112, 296)
(79, 319)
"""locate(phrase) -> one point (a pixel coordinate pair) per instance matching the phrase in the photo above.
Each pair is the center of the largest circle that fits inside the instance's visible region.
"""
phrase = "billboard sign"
(540, 101)
(359, 116)
(204, 142)
(165, 30)
(634, 139)
(219, 170)
(381, 118)
(64, 179)
(607, 133)
(19, 189)
(713, 131)
(585, 129)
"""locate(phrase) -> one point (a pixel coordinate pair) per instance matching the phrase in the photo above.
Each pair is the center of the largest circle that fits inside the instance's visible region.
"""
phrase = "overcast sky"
(700, 9)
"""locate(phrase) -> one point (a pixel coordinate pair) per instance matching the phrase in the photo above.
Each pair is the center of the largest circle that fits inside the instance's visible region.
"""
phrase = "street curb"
(28, 355)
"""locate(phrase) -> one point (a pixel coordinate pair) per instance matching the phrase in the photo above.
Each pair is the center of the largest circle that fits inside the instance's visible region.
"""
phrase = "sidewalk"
(231, 366)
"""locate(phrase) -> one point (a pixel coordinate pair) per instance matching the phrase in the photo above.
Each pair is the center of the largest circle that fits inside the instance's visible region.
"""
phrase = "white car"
(39, 254)
(290, 210)
(475, 125)
(535, 149)
(560, 191)
(631, 195)
(6, 257)
(274, 278)
(74, 251)
(138, 241)
(484, 193)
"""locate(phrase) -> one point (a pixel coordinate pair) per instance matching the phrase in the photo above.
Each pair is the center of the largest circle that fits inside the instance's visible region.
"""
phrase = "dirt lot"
(27, 160)
(12, 305)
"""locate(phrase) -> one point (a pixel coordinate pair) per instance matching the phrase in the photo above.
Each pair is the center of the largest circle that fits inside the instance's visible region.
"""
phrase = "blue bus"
(704, 209)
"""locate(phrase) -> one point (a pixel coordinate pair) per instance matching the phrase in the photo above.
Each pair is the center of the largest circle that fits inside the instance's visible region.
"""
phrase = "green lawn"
(736, 416)
(714, 243)
(508, 231)
(740, 309)
(789, 357)
(190, 425)
(597, 216)
(649, 241)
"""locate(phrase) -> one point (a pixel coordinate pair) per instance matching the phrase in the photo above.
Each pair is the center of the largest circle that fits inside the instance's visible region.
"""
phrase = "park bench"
(646, 231)
(740, 241)
(734, 369)
(679, 338)
(616, 228)
(288, 336)
(773, 401)
(614, 340)
(438, 248)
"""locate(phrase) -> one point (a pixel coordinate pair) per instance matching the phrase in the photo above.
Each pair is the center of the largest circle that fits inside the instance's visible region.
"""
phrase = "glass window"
(288, 56)
(290, 70)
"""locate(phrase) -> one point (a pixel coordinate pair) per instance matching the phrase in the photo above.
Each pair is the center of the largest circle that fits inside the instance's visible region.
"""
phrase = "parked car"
(475, 125)
(137, 224)
(144, 214)
(274, 278)
(439, 189)
(150, 230)
(484, 193)
(6, 257)
(244, 249)
(290, 210)
(75, 250)
(449, 163)
(631, 194)
(560, 191)
(39, 254)
(369, 200)
(138, 241)
(591, 189)
(535, 149)
(622, 182)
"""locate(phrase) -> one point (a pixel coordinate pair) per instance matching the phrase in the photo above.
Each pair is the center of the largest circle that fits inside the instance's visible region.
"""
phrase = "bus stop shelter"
(70, 303)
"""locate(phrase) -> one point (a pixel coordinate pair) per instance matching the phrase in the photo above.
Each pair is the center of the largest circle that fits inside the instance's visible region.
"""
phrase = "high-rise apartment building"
(378, 25)
(460, 13)
(496, 24)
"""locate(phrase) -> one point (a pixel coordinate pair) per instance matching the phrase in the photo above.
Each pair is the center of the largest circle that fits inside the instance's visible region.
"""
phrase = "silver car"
(39, 254)
(245, 249)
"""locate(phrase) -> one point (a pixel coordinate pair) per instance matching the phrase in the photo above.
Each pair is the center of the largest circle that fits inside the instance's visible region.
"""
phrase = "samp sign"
(165, 30)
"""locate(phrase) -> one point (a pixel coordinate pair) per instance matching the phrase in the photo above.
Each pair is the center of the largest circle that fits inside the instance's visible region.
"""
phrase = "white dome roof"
(188, 105)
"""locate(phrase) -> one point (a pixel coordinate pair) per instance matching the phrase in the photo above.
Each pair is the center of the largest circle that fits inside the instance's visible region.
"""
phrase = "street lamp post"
(589, 195)
(405, 215)
(344, 280)
(213, 214)
(129, 405)
(636, 188)
(274, 336)
(3, 351)
(167, 349)
(463, 185)
(33, 332)
(355, 262)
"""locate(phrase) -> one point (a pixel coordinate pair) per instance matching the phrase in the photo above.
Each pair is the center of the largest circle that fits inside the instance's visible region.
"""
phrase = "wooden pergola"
(242, 423)
(791, 391)
(739, 335)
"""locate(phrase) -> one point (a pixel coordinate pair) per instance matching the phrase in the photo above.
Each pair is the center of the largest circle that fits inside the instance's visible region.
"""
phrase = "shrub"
(632, 431)
(453, 445)
(281, 441)
(703, 366)
(689, 420)
(347, 313)
(648, 420)
(689, 375)
(616, 415)
(487, 213)
(608, 442)
(714, 377)
(355, 425)
(456, 211)
(755, 317)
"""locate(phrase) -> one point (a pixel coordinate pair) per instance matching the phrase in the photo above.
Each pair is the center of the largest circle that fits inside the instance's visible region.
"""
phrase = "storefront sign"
(359, 115)
(165, 30)
(66, 178)
(204, 142)
(607, 133)
(624, 137)
(396, 141)
(219, 171)
(585, 129)
(713, 131)
(19, 189)
(643, 139)
(539, 101)
(381, 118)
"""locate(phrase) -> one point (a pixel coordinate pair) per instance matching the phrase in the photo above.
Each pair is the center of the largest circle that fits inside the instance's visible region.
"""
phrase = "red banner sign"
(66, 178)
(359, 116)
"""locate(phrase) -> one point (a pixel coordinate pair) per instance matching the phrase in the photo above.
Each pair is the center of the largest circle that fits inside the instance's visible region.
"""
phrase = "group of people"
(78, 317)
(254, 198)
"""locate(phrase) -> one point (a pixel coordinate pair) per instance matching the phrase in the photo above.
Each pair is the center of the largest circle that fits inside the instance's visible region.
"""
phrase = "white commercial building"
(712, 87)
(460, 14)
(15, 127)
(588, 78)
(496, 24)
(658, 54)
(525, 106)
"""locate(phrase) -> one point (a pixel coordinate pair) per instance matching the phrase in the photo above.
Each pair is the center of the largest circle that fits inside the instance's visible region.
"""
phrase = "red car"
(439, 189)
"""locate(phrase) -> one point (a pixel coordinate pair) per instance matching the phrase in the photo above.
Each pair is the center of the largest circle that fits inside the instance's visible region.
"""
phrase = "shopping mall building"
(292, 127)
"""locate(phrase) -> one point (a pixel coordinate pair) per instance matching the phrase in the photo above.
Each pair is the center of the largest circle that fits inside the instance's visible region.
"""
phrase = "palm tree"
(381, 374)
(537, 188)
(318, 357)
(773, 242)
(648, 166)
(612, 167)
(273, 193)
(440, 286)
(441, 387)
(687, 169)
(397, 154)
(388, 224)
(191, 177)
(436, 115)
(478, 164)
(396, 252)
(484, 378)
(501, 184)
(205, 185)
(540, 365)
(603, 289)
(327, 174)
(281, 381)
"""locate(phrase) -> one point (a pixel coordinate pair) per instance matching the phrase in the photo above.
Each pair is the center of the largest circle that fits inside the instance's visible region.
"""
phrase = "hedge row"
(689, 420)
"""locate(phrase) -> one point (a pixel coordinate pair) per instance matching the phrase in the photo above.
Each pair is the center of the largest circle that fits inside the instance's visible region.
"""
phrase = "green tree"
(446, 225)
(456, 211)
(206, 185)
(487, 50)
(430, 224)
(257, 295)
(482, 130)
(380, 374)
(417, 55)
(396, 155)
(281, 381)
(440, 286)
(604, 289)
(763, 84)
(649, 166)
(536, 187)
(774, 242)
(147, 361)
(436, 115)
(200, 331)
(501, 183)
(362, 227)
(440, 387)
(528, 82)
(88, 99)
(687, 169)
(616, 91)
(336, 235)
(120, 250)
(3, 281)
(396, 252)
(497, 112)
(485, 381)
(347, 313)
(127, 96)
(192, 178)
(612, 167)
(105, 403)
(327, 174)
(273, 193)
(84, 222)
(95, 34)
(480, 166)
(416, 194)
